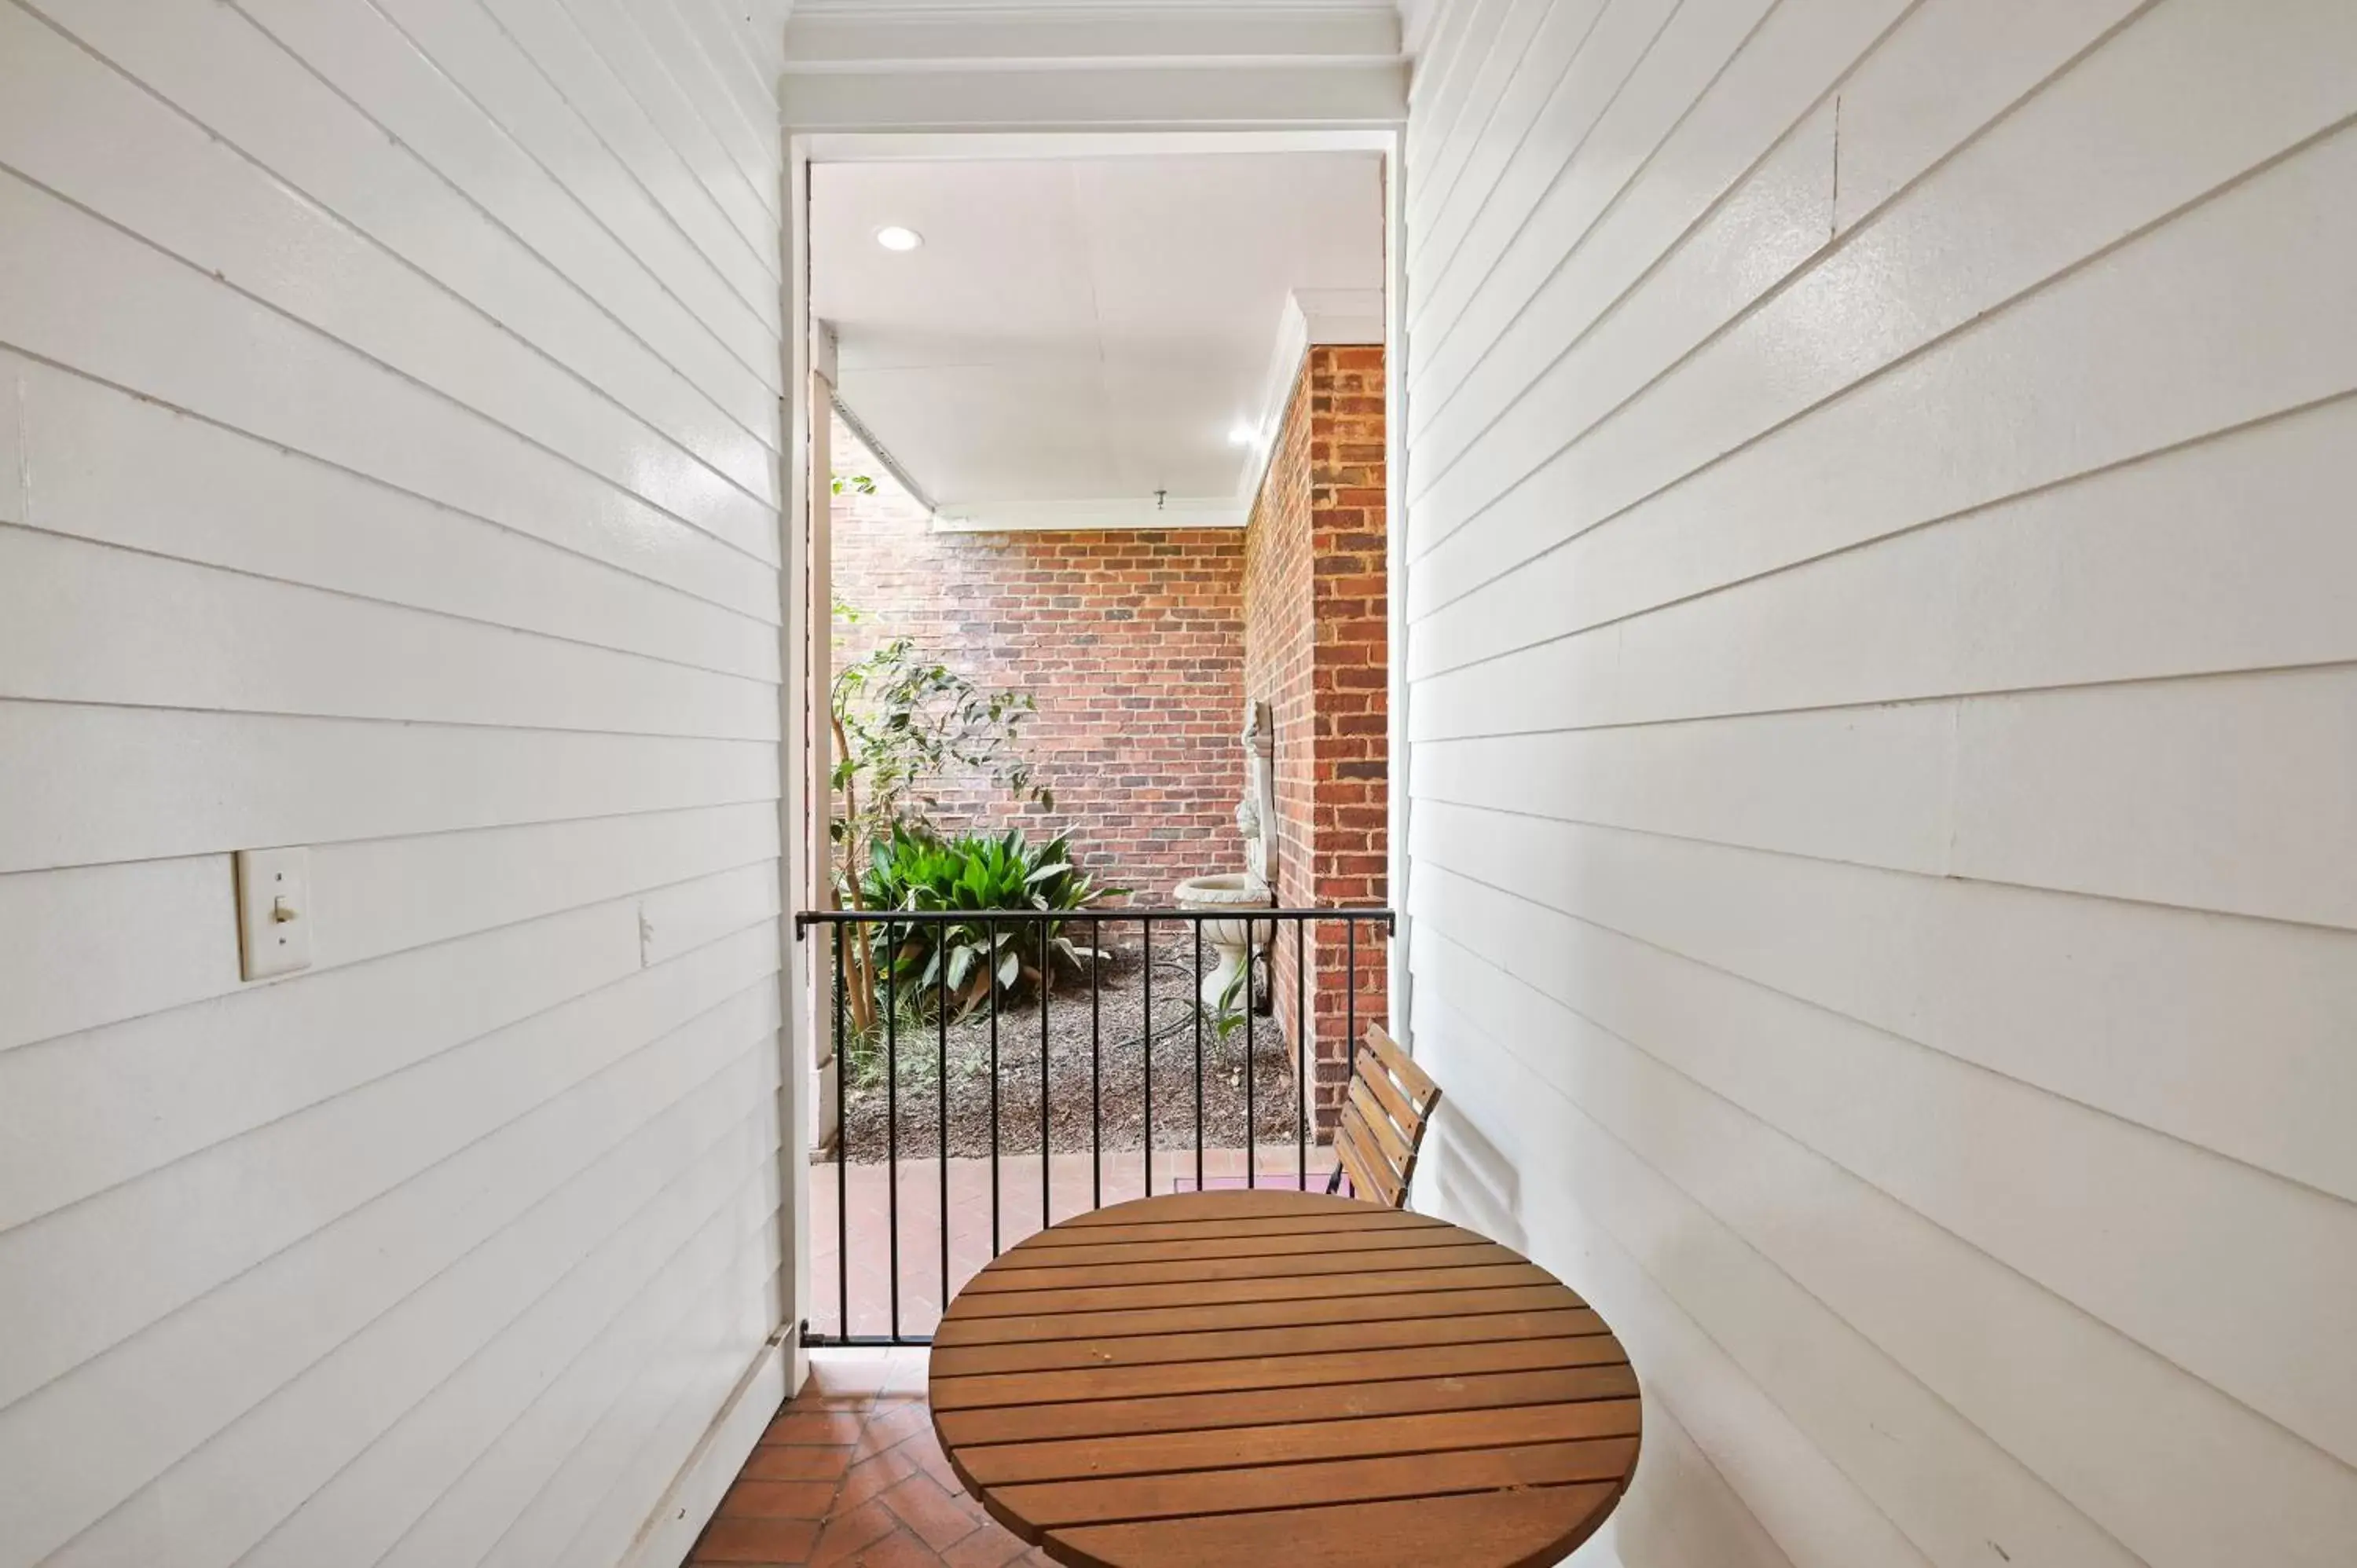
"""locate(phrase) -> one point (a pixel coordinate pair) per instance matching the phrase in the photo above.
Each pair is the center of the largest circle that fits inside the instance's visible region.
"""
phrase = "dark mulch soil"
(1112, 1078)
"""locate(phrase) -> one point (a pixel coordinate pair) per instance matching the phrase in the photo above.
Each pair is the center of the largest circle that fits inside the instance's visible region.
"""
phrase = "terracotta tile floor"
(1072, 1184)
(849, 1474)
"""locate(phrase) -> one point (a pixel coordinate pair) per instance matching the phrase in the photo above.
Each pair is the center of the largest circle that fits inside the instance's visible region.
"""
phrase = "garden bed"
(1094, 1098)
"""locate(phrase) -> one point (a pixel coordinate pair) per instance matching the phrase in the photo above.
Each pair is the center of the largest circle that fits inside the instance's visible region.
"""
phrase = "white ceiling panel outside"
(1079, 328)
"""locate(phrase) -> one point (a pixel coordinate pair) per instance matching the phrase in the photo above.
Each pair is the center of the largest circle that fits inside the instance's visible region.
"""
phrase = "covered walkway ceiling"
(1073, 336)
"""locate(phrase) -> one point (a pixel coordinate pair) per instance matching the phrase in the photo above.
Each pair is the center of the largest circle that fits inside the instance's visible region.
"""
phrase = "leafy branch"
(904, 724)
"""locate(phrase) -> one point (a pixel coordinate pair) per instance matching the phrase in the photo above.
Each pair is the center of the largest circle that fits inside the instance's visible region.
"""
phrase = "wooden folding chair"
(1382, 1128)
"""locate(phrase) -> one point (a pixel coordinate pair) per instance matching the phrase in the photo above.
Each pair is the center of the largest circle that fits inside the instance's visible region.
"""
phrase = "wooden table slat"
(1467, 1252)
(1274, 1372)
(1509, 1530)
(999, 1464)
(1240, 1376)
(1274, 1407)
(959, 1333)
(1225, 1344)
(1116, 1298)
(1043, 1260)
(1053, 1504)
(1217, 1204)
(1350, 1216)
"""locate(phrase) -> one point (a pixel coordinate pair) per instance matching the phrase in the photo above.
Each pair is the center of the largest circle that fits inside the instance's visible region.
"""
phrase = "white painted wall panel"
(658, 66)
(1777, 80)
(1681, 53)
(559, 45)
(192, 782)
(1953, 67)
(1563, 31)
(1887, 1441)
(86, 294)
(264, 640)
(450, 193)
(2104, 1002)
(415, 64)
(131, 158)
(1482, 48)
(2219, 556)
(208, 493)
(1877, 660)
(388, 465)
(542, 1071)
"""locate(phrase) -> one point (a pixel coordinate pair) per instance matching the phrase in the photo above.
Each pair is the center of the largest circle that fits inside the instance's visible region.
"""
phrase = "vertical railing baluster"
(892, 1119)
(993, 1089)
(1096, 1064)
(1146, 974)
(1350, 1025)
(1195, 976)
(883, 931)
(1251, 1132)
(1302, 1059)
(1045, 936)
(941, 1095)
(842, 1152)
(1350, 991)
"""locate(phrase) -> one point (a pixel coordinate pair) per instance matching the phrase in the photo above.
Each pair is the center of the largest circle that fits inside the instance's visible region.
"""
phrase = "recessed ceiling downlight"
(895, 238)
(1242, 435)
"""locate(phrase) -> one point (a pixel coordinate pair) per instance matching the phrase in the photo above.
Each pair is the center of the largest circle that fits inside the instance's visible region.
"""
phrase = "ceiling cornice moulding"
(1312, 316)
(1090, 36)
(1113, 514)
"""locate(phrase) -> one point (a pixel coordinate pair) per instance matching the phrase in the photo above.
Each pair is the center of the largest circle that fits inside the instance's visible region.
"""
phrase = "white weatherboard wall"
(390, 464)
(1884, 695)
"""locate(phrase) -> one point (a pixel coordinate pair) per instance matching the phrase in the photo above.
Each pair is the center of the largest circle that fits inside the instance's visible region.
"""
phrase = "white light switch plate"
(274, 911)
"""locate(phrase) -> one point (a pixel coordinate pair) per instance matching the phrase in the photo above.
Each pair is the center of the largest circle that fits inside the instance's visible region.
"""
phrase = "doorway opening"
(1100, 728)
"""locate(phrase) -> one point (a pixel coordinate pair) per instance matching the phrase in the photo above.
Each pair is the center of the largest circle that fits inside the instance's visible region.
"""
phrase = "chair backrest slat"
(1384, 1119)
(1371, 1178)
(1389, 1141)
(1387, 1094)
(1417, 1084)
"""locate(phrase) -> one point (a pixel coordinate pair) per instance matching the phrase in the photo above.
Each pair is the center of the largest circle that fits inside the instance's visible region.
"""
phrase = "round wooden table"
(1255, 1378)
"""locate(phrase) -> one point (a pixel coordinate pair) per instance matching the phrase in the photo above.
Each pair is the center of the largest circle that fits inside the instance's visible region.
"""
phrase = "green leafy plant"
(904, 724)
(962, 962)
(852, 484)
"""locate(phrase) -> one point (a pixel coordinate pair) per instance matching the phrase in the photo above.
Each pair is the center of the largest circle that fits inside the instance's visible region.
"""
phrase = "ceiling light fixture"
(1242, 435)
(895, 238)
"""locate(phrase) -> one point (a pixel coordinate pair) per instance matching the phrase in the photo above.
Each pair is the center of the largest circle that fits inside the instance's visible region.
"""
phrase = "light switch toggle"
(274, 900)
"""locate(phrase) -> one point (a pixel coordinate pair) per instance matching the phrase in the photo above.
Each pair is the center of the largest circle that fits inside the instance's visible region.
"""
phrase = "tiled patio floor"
(849, 1474)
(1075, 1182)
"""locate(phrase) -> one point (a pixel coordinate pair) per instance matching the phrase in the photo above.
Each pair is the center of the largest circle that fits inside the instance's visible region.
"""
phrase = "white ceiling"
(1079, 329)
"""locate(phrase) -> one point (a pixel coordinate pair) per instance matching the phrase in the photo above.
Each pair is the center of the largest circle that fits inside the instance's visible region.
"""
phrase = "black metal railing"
(876, 951)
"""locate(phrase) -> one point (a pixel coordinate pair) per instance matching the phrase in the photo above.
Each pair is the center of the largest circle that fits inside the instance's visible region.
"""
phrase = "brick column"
(1316, 651)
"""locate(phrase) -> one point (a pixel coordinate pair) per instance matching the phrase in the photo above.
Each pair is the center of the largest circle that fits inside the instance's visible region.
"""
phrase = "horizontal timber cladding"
(1878, 675)
(389, 466)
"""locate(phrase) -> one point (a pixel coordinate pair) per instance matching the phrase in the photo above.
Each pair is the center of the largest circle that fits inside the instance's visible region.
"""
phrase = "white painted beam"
(826, 42)
(1151, 97)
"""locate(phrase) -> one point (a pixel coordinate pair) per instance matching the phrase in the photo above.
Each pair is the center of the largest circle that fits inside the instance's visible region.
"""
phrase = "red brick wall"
(1132, 642)
(1315, 640)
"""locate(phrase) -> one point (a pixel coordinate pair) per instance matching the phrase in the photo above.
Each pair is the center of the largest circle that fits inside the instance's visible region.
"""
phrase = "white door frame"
(807, 550)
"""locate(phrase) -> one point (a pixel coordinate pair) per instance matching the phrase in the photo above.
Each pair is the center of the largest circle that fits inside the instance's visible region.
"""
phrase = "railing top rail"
(805, 919)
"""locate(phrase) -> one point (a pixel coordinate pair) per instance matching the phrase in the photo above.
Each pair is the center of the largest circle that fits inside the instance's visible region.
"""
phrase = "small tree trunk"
(859, 977)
